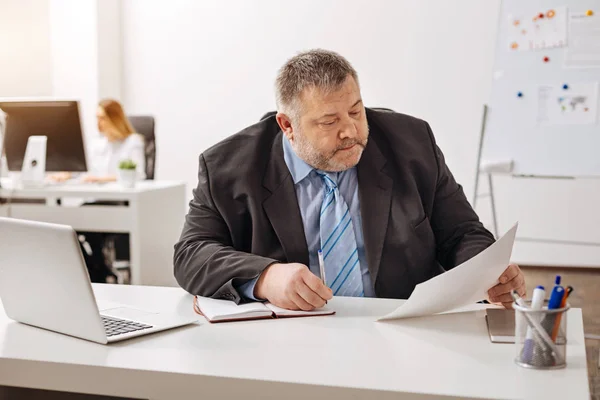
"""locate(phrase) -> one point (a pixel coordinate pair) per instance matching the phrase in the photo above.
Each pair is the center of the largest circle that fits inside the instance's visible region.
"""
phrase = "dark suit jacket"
(244, 215)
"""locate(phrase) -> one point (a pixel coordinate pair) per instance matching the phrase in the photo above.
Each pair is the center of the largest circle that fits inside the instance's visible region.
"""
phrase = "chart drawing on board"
(577, 104)
(538, 31)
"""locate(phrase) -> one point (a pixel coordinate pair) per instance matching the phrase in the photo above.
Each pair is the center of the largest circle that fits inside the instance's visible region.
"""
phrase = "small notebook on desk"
(227, 311)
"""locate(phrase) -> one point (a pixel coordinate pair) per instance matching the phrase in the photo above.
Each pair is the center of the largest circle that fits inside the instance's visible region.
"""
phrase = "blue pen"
(555, 300)
(556, 295)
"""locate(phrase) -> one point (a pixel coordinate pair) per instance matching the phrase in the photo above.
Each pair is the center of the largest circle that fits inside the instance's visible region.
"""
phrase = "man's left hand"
(511, 279)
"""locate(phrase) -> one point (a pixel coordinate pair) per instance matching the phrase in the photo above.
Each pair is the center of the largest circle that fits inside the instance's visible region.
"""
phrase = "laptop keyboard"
(115, 326)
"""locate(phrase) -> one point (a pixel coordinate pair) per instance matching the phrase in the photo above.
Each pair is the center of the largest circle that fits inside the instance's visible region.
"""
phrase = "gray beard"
(317, 160)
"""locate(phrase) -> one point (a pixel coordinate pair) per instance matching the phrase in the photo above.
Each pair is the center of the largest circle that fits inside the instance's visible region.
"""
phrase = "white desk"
(153, 219)
(342, 356)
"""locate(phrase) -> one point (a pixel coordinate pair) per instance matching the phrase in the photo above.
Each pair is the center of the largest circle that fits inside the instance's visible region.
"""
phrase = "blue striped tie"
(338, 243)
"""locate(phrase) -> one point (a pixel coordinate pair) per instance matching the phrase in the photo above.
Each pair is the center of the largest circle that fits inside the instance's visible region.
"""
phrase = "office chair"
(116, 246)
(271, 113)
(267, 115)
(144, 125)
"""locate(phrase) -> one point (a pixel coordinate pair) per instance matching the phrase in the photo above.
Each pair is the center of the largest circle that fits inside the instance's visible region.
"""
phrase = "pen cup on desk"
(540, 336)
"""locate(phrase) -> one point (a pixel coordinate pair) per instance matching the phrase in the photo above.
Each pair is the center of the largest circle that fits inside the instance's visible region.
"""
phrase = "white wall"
(86, 54)
(25, 60)
(206, 69)
(109, 25)
(68, 49)
(73, 30)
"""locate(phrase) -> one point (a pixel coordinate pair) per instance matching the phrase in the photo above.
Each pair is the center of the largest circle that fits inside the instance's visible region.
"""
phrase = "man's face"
(331, 131)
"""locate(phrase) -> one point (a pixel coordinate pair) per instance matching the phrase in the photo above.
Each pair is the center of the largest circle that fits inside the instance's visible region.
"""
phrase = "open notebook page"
(282, 312)
(220, 310)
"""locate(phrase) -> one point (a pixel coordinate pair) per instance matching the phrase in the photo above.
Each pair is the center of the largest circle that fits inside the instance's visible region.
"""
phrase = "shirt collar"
(297, 166)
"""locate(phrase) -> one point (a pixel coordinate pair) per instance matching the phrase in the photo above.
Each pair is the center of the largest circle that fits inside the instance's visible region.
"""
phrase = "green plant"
(127, 164)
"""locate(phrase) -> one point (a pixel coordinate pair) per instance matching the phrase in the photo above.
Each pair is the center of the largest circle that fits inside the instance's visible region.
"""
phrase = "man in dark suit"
(370, 189)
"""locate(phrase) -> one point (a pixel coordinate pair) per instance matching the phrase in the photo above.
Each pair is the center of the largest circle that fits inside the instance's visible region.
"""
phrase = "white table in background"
(153, 218)
(346, 355)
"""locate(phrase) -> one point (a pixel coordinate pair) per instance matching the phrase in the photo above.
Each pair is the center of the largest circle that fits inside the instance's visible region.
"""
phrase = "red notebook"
(225, 311)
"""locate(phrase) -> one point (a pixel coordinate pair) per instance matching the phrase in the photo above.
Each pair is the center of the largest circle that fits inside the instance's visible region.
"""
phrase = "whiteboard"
(529, 130)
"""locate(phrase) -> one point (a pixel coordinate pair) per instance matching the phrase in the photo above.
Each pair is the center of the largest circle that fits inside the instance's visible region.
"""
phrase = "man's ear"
(285, 124)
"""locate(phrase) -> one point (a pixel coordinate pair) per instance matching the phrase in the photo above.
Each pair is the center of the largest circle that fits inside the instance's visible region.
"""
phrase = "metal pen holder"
(541, 337)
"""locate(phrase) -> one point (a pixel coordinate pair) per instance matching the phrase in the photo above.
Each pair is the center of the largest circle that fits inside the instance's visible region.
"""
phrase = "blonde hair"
(116, 116)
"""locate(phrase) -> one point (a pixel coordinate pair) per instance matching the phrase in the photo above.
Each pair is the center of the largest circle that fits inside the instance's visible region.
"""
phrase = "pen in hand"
(555, 301)
(322, 268)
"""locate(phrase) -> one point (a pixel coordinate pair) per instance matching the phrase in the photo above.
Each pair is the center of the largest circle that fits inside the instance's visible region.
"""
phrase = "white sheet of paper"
(465, 284)
(577, 105)
(534, 33)
(584, 41)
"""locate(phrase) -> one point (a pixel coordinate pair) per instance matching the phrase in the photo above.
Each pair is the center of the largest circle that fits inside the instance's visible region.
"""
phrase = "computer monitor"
(57, 120)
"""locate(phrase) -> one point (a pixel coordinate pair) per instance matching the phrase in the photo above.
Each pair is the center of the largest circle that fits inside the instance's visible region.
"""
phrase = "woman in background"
(118, 142)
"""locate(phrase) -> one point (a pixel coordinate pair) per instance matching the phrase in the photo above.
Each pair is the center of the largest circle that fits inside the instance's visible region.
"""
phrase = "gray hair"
(322, 69)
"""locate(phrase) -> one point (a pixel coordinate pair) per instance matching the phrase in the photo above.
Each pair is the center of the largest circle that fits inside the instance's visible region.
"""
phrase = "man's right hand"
(292, 286)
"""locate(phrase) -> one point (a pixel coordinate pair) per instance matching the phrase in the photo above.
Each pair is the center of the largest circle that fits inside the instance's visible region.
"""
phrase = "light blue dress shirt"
(310, 190)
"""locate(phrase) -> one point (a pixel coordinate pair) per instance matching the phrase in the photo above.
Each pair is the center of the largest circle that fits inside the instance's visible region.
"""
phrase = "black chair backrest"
(267, 115)
(270, 113)
(382, 109)
(144, 125)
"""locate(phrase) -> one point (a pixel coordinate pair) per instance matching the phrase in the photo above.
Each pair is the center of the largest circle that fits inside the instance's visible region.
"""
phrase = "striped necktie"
(338, 243)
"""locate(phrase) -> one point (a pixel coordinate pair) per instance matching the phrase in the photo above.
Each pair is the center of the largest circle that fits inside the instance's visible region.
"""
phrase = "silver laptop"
(44, 282)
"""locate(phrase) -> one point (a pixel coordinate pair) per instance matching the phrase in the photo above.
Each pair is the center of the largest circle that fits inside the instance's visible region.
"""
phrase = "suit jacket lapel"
(281, 206)
(375, 193)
